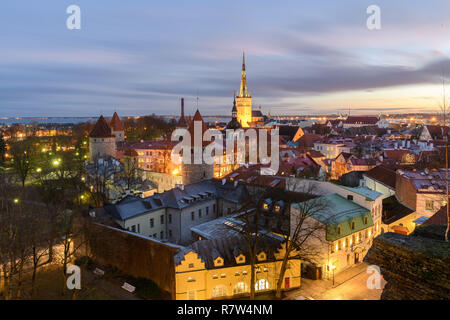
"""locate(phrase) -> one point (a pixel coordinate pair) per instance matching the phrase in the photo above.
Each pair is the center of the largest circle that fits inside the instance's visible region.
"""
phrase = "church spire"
(243, 92)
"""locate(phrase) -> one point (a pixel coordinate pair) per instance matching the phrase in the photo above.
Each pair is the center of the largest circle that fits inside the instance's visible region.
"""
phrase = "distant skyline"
(140, 57)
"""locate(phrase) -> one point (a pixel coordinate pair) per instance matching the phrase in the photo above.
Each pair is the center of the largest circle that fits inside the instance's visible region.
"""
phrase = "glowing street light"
(56, 162)
(333, 267)
(16, 200)
(38, 170)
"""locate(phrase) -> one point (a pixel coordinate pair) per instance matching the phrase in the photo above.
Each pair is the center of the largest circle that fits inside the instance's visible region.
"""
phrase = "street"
(349, 285)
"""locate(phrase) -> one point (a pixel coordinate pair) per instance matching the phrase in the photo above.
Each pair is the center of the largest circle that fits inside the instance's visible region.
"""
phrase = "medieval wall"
(415, 267)
(135, 255)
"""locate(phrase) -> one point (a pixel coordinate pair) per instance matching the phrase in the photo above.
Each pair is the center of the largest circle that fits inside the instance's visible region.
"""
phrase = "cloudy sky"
(141, 56)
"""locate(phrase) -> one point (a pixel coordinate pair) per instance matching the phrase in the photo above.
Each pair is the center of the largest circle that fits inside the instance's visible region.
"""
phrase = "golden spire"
(243, 92)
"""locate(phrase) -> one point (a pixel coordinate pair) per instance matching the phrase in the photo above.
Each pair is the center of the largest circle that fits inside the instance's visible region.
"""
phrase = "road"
(350, 285)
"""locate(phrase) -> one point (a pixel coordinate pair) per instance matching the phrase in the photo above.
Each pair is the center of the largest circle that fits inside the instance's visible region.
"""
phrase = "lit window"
(429, 205)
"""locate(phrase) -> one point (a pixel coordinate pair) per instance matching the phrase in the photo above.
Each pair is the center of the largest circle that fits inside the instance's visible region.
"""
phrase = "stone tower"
(102, 142)
(192, 173)
(244, 100)
(117, 128)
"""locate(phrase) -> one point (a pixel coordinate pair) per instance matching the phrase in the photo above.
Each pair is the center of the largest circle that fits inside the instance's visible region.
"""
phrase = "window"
(207, 210)
(191, 279)
(133, 228)
(277, 208)
(214, 208)
(244, 273)
(162, 219)
(265, 206)
(350, 197)
(152, 223)
(170, 233)
(154, 235)
(338, 230)
(237, 273)
(228, 210)
(240, 287)
(170, 218)
(262, 285)
(353, 225)
(199, 213)
(139, 228)
(366, 220)
(162, 234)
(215, 276)
(191, 265)
(191, 295)
(223, 275)
(429, 205)
(192, 216)
(219, 291)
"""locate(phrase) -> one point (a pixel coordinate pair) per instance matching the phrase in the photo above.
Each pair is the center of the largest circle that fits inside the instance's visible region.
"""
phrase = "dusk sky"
(141, 57)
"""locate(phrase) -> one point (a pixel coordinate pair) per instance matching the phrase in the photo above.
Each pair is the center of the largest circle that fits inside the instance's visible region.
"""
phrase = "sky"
(140, 57)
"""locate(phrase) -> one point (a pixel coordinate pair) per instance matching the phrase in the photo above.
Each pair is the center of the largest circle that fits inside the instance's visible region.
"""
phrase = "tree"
(303, 236)
(24, 156)
(2, 149)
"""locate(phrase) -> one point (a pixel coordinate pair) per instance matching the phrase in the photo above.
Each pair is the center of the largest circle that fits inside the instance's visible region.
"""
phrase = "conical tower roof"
(115, 123)
(101, 129)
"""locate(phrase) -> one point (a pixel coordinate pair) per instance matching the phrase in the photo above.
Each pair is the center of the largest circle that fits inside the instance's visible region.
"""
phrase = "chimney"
(182, 107)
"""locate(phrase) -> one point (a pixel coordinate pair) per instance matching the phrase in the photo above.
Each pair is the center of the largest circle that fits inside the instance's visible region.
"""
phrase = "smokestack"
(182, 107)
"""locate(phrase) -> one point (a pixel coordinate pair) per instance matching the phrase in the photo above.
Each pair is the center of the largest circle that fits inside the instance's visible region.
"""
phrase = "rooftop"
(366, 192)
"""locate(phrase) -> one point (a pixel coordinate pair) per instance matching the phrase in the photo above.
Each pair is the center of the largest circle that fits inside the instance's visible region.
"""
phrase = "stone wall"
(135, 255)
(416, 267)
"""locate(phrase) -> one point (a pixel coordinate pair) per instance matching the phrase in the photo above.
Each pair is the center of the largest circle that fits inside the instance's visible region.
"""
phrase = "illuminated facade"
(244, 100)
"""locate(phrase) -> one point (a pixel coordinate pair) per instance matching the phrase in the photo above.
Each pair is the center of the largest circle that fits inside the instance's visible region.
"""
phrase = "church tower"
(244, 100)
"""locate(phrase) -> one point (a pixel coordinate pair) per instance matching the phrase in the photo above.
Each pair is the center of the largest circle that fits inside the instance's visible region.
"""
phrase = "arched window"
(219, 291)
(261, 284)
(240, 287)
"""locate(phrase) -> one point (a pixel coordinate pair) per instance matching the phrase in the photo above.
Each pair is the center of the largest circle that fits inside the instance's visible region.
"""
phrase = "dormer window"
(240, 259)
(353, 225)
(366, 220)
(277, 208)
(265, 206)
(262, 256)
(218, 262)
(338, 230)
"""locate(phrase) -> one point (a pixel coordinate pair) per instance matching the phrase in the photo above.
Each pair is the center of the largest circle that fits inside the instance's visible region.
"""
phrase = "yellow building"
(220, 269)
(244, 100)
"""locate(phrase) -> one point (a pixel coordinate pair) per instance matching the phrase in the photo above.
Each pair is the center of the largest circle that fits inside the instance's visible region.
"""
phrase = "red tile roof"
(115, 123)
(361, 120)
(383, 175)
(101, 129)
